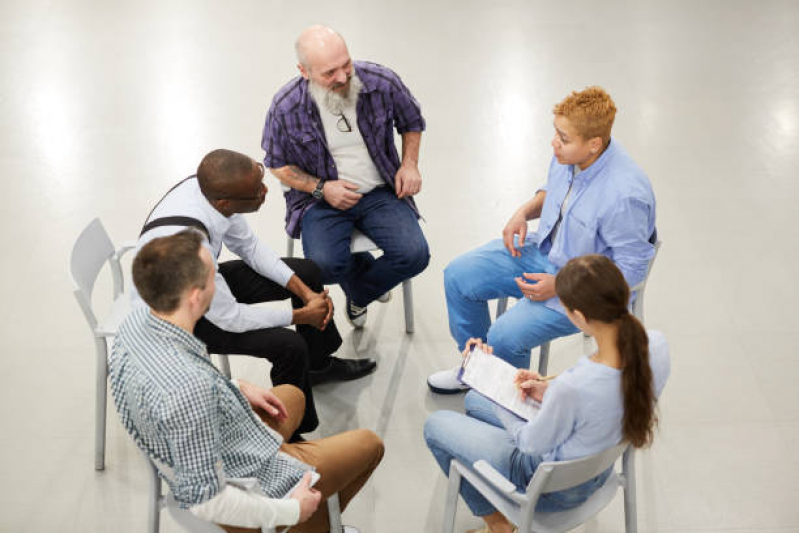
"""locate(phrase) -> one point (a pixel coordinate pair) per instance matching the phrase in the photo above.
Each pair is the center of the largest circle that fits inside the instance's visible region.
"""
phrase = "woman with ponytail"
(604, 399)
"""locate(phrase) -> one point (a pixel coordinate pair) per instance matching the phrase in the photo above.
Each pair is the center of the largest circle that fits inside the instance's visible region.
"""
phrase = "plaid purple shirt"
(294, 135)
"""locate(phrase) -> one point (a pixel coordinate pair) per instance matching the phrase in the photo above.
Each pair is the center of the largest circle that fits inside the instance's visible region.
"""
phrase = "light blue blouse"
(581, 412)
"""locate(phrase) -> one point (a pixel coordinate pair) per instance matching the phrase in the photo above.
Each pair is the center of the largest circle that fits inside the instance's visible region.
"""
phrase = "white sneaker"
(446, 382)
(385, 298)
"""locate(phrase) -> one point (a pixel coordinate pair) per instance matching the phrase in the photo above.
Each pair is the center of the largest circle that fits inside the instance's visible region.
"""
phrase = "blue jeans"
(487, 273)
(381, 216)
(479, 435)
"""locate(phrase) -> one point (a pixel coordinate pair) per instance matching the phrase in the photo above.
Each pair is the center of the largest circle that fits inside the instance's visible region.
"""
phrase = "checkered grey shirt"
(188, 417)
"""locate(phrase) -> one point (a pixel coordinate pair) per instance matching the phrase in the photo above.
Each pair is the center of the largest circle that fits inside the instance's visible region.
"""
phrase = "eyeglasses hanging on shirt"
(343, 124)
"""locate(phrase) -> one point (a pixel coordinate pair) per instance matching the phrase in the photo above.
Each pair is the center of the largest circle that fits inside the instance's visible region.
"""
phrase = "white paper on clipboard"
(493, 378)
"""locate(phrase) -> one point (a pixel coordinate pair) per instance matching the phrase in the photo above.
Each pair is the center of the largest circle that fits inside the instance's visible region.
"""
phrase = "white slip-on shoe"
(446, 382)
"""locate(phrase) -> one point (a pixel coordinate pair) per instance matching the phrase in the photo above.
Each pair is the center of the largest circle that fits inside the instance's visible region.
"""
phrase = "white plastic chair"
(519, 507)
(361, 243)
(637, 309)
(91, 251)
(193, 524)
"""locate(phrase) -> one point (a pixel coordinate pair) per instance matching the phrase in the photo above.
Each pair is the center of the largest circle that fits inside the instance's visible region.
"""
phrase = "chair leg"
(289, 246)
(407, 298)
(543, 358)
(101, 378)
(334, 514)
(451, 503)
(156, 500)
(224, 365)
(630, 502)
(502, 305)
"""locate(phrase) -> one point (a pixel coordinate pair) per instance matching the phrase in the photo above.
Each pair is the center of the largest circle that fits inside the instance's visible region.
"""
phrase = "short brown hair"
(167, 267)
(590, 111)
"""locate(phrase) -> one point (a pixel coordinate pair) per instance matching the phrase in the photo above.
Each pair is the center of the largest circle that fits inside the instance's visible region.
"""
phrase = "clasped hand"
(318, 309)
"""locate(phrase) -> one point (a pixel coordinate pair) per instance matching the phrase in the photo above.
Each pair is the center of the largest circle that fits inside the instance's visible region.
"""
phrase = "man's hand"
(341, 193)
(324, 295)
(477, 343)
(517, 225)
(542, 289)
(408, 181)
(530, 385)
(316, 312)
(309, 498)
(263, 398)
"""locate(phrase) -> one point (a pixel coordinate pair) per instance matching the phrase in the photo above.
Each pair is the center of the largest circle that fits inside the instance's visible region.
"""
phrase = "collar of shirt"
(165, 329)
(597, 166)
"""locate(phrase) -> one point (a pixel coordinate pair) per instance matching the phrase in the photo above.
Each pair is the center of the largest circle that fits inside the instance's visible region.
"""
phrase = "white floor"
(104, 105)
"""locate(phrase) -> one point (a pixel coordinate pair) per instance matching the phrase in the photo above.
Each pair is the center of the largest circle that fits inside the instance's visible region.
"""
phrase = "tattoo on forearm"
(296, 173)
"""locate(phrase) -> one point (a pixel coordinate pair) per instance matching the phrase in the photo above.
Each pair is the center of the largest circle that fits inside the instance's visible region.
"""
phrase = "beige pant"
(345, 461)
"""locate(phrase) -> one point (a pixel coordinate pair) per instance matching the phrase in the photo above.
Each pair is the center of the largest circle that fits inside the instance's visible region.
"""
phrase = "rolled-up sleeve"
(272, 141)
(626, 230)
(407, 111)
(234, 506)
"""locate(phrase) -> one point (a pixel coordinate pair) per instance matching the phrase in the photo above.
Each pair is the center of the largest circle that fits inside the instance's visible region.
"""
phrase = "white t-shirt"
(348, 149)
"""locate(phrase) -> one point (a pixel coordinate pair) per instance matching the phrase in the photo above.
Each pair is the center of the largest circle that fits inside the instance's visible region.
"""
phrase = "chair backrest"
(561, 475)
(638, 302)
(91, 251)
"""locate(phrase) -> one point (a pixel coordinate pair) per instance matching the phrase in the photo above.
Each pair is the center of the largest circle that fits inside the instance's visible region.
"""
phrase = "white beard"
(333, 101)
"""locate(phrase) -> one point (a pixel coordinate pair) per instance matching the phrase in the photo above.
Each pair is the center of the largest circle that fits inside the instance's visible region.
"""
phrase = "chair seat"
(119, 310)
(566, 520)
(361, 243)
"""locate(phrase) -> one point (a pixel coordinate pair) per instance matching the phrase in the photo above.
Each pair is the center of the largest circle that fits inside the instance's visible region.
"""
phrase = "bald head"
(324, 59)
(317, 44)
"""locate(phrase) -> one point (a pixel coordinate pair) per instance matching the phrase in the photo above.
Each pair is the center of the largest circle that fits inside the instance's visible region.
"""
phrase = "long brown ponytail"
(593, 285)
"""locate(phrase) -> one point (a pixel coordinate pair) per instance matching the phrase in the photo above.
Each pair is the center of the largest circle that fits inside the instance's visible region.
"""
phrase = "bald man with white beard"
(329, 137)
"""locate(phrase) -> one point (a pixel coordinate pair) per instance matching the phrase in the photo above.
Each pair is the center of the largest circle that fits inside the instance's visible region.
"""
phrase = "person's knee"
(458, 276)
(509, 344)
(370, 444)
(309, 272)
(437, 426)
(332, 267)
(472, 403)
(291, 396)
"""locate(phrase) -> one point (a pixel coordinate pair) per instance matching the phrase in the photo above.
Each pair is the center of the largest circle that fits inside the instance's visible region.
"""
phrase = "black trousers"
(292, 353)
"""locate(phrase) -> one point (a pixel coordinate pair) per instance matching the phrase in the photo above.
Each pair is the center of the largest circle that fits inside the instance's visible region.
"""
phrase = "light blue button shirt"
(611, 211)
